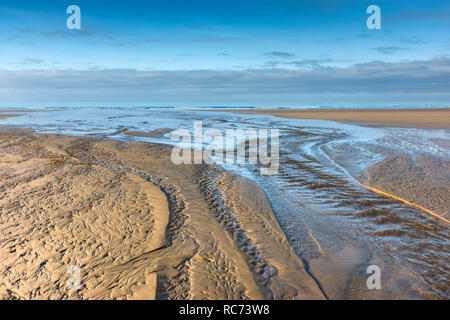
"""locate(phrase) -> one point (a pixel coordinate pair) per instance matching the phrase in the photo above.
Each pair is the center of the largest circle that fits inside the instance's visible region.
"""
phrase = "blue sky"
(156, 43)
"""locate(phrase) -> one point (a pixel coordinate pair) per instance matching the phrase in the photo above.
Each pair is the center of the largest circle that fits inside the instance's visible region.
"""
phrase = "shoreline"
(215, 189)
(404, 118)
(138, 226)
(421, 118)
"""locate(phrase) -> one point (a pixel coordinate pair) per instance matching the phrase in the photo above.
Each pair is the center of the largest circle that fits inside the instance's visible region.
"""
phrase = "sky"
(209, 52)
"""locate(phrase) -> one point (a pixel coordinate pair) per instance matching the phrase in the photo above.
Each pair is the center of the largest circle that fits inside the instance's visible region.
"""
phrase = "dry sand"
(4, 116)
(137, 226)
(409, 118)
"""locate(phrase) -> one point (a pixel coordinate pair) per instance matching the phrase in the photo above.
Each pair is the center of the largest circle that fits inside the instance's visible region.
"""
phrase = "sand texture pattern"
(136, 226)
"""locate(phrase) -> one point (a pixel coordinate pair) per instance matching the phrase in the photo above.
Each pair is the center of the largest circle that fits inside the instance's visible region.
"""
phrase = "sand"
(136, 226)
(419, 180)
(407, 118)
(4, 116)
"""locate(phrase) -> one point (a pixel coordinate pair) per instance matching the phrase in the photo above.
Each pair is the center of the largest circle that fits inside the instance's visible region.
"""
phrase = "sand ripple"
(137, 226)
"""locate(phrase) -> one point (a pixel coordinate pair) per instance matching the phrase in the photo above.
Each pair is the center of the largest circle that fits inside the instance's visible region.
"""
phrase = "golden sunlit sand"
(137, 226)
(409, 118)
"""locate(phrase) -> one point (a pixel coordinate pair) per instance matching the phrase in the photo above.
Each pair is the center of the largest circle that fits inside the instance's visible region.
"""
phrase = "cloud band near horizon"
(419, 82)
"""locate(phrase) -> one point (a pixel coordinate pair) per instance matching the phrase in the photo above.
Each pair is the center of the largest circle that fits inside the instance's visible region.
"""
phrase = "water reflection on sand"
(335, 225)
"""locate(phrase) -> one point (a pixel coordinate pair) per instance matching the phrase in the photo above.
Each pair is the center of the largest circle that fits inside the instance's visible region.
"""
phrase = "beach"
(245, 152)
(137, 226)
(97, 192)
(407, 118)
(425, 176)
(4, 116)
(426, 180)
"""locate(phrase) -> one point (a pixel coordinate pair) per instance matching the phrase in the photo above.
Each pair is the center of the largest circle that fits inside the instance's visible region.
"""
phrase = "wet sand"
(217, 242)
(404, 118)
(137, 226)
(417, 179)
(405, 209)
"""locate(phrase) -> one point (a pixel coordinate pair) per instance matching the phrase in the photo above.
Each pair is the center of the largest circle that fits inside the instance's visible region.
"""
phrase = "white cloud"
(412, 82)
